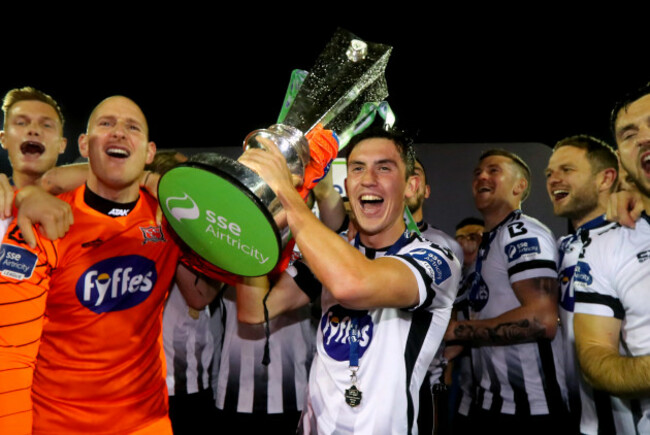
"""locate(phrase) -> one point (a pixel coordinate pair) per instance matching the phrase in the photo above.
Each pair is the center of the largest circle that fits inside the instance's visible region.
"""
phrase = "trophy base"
(225, 213)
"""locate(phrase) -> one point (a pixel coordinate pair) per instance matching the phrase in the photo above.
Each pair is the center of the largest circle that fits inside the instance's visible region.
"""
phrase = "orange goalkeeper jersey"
(21, 323)
(99, 368)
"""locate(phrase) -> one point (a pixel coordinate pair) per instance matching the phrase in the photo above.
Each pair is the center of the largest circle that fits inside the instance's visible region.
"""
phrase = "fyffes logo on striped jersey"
(337, 328)
(116, 283)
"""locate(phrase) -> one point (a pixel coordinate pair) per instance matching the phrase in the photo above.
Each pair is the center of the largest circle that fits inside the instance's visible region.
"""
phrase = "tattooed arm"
(536, 318)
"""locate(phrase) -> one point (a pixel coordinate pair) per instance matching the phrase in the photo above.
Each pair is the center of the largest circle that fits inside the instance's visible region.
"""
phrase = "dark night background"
(204, 81)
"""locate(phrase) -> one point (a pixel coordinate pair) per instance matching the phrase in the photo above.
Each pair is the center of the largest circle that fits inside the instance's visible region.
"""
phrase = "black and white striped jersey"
(188, 345)
(242, 383)
(612, 279)
(395, 347)
(527, 378)
(581, 394)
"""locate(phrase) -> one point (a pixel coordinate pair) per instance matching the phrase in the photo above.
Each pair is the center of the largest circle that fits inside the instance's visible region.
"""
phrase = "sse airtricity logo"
(184, 211)
(116, 283)
(336, 324)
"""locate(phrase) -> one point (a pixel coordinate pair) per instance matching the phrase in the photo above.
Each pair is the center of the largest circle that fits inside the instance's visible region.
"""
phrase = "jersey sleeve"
(437, 272)
(24, 283)
(305, 279)
(594, 282)
(530, 251)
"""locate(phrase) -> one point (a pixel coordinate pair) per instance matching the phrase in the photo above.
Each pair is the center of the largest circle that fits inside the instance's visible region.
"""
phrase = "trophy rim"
(242, 188)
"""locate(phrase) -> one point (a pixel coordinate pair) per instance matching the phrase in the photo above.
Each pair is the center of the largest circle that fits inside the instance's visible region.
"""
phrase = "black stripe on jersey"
(21, 300)
(198, 352)
(419, 327)
(549, 379)
(425, 276)
(23, 322)
(306, 281)
(609, 301)
(180, 363)
(517, 383)
(232, 384)
(604, 412)
(534, 264)
(28, 343)
(637, 412)
(289, 399)
(495, 388)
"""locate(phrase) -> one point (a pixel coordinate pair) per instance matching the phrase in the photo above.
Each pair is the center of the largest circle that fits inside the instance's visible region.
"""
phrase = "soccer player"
(99, 366)
(612, 313)
(416, 205)
(580, 176)
(513, 307)
(386, 296)
(33, 137)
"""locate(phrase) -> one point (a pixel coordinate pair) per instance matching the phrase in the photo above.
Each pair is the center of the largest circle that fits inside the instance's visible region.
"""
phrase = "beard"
(583, 202)
(414, 203)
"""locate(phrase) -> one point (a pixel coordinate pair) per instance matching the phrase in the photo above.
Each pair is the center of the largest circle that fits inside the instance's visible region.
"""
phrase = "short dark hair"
(600, 154)
(28, 93)
(516, 160)
(623, 104)
(402, 141)
(163, 161)
(424, 170)
(470, 221)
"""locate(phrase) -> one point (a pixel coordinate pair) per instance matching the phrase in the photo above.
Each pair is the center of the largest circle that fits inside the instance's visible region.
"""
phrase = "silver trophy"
(223, 210)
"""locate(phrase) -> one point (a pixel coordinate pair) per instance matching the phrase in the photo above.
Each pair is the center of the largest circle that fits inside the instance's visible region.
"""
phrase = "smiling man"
(580, 176)
(386, 296)
(99, 368)
(513, 308)
(32, 134)
(612, 309)
(33, 137)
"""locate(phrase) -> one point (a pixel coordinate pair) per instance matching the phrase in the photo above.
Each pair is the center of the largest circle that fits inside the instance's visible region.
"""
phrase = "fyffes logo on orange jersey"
(117, 283)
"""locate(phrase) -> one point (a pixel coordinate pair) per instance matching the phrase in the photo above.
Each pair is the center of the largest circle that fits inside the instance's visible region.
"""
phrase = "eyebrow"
(626, 128)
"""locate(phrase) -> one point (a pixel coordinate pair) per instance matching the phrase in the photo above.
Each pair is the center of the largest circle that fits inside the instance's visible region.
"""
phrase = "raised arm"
(355, 281)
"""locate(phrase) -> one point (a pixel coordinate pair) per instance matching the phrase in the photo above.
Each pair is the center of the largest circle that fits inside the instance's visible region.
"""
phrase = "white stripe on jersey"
(188, 345)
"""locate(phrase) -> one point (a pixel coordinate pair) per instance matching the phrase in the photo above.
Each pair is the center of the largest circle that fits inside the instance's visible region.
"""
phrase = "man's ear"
(412, 184)
(151, 152)
(2, 138)
(83, 145)
(63, 144)
(427, 192)
(520, 187)
(606, 179)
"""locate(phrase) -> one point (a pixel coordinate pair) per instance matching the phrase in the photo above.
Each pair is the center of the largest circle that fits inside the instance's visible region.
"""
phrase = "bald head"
(119, 103)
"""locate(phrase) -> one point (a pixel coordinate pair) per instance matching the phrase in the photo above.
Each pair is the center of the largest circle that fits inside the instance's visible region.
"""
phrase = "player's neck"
(598, 211)
(418, 215)
(122, 195)
(22, 179)
(384, 238)
(495, 216)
